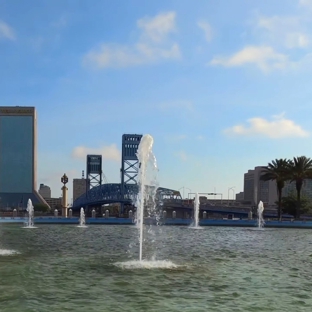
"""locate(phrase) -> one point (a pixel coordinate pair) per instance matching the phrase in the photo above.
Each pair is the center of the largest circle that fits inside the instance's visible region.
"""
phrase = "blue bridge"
(124, 193)
(111, 193)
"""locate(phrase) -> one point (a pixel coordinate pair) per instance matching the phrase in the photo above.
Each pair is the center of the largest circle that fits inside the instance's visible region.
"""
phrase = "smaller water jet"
(82, 219)
(29, 224)
(260, 215)
(195, 224)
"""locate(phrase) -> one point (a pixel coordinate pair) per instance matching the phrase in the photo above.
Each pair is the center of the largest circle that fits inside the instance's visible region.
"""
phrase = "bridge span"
(112, 193)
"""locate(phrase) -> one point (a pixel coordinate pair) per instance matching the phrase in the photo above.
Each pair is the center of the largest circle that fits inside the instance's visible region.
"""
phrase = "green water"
(65, 268)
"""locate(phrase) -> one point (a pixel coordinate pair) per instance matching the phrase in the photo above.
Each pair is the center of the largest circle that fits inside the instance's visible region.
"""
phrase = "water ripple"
(62, 268)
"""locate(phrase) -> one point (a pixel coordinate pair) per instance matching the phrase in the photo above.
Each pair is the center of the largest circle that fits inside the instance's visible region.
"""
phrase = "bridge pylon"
(94, 171)
(129, 161)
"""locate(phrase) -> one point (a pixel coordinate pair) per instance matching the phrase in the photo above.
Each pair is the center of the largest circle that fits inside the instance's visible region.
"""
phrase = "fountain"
(196, 212)
(146, 193)
(29, 224)
(260, 215)
(146, 197)
(82, 219)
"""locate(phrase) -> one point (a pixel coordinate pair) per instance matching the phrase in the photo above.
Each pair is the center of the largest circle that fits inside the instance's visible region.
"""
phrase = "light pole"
(64, 180)
(229, 189)
(183, 187)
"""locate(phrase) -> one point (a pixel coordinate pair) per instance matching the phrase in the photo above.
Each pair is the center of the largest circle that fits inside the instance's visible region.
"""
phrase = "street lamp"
(183, 187)
(229, 189)
(64, 180)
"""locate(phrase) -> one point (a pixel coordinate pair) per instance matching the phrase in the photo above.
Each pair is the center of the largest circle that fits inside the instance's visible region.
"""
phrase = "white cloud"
(272, 36)
(109, 152)
(264, 57)
(278, 127)
(306, 3)
(286, 31)
(153, 45)
(297, 40)
(6, 31)
(206, 28)
(181, 155)
(158, 28)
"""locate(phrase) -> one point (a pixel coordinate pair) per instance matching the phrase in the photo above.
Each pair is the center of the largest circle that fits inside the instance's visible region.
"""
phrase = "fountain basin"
(168, 222)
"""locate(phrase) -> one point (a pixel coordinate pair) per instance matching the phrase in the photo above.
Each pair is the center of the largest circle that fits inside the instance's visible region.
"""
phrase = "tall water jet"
(147, 189)
(260, 215)
(196, 211)
(82, 219)
(30, 210)
(146, 198)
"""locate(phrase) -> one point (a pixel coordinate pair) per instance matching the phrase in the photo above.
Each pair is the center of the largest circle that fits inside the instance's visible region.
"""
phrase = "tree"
(277, 171)
(289, 204)
(41, 207)
(300, 169)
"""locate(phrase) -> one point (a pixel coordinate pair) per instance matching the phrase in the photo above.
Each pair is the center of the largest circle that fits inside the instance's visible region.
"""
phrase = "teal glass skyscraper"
(18, 153)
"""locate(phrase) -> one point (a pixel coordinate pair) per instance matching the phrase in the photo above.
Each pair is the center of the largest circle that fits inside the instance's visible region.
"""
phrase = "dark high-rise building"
(18, 156)
(79, 187)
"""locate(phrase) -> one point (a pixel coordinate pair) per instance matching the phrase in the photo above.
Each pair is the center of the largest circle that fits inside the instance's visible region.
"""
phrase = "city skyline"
(222, 87)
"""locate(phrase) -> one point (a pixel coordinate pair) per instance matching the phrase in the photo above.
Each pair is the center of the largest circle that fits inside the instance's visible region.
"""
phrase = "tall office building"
(255, 189)
(18, 156)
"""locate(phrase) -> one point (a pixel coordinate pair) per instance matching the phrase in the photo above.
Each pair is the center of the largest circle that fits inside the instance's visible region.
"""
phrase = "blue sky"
(222, 86)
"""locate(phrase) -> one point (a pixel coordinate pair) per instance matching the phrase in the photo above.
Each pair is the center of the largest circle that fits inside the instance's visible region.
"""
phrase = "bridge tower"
(94, 171)
(129, 161)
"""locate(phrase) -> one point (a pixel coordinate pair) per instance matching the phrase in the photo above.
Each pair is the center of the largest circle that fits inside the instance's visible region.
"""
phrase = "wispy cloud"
(110, 152)
(181, 155)
(305, 3)
(153, 45)
(205, 26)
(276, 41)
(157, 28)
(200, 138)
(276, 128)
(286, 31)
(263, 57)
(60, 23)
(6, 32)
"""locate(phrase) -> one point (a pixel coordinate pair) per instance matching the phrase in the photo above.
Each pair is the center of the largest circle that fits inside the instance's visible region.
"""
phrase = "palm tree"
(276, 171)
(300, 170)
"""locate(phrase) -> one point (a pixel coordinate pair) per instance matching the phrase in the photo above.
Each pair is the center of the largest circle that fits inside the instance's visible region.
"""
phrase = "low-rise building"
(44, 191)
(54, 203)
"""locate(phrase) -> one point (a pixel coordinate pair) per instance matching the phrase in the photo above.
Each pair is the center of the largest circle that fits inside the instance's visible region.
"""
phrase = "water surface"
(65, 268)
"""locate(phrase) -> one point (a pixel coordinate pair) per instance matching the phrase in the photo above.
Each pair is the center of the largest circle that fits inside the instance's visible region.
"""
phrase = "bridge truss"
(112, 193)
